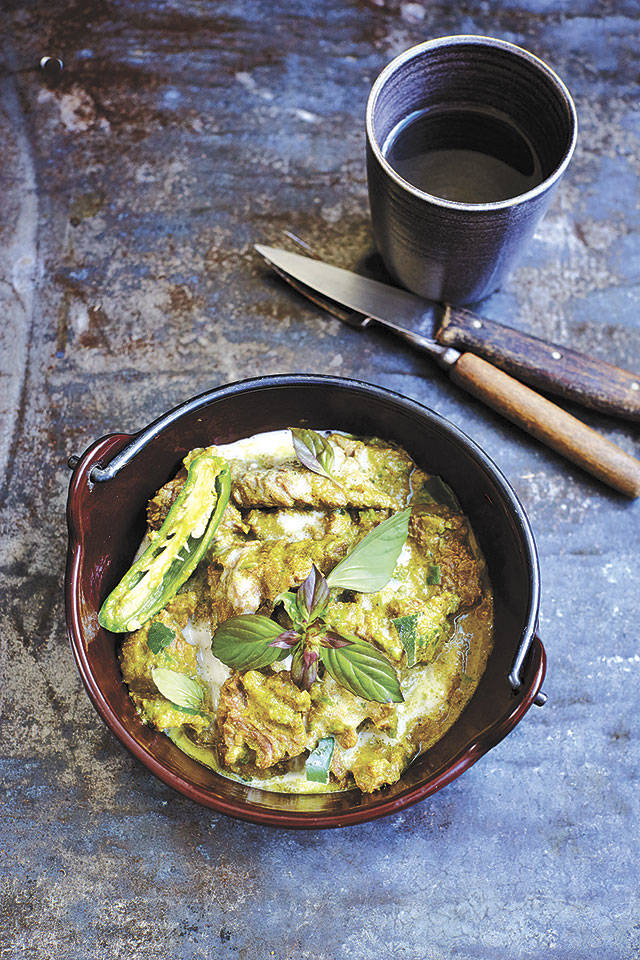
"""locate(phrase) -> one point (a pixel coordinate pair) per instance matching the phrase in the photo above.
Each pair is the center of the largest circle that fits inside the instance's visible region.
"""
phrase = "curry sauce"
(431, 622)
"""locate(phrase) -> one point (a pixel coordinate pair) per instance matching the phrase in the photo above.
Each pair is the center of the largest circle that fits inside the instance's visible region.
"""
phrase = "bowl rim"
(530, 645)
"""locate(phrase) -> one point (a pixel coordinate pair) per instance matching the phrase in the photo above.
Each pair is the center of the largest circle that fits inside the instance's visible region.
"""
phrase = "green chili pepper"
(182, 540)
(319, 761)
(203, 755)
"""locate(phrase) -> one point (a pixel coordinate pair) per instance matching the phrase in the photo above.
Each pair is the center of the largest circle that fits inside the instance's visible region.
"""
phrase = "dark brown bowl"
(106, 517)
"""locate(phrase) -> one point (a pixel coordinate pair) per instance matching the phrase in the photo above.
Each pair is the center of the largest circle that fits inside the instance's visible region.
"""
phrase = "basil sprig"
(313, 451)
(312, 597)
(309, 602)
(252, 641)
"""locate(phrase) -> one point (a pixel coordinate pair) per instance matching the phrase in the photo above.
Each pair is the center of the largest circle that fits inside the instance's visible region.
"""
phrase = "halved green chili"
(174, 554)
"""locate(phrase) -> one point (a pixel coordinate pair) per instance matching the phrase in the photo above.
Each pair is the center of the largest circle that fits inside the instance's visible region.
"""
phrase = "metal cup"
(450, 250)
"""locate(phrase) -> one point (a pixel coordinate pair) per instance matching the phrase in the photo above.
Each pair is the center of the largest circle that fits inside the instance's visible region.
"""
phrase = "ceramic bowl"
(115, 477)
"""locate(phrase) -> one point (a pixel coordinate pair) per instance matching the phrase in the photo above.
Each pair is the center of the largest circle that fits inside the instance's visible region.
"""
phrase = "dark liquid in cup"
(463, 154)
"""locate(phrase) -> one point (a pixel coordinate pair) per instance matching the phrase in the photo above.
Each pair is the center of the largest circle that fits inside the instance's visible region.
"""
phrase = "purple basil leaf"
(334, 640)
(286, 640)
(311, 659)
(313, 595)
(297, 666)
(304, 667)
(310, 656)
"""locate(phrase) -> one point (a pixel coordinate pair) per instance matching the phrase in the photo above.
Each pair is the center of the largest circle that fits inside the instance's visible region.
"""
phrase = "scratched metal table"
(133, 188)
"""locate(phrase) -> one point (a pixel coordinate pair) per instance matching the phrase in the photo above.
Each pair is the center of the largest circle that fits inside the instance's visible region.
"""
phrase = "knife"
(374, 302)
(549, 366)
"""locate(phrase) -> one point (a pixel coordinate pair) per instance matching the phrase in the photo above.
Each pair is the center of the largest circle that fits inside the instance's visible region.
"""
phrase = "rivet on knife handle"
(548, 423)
(548, 366)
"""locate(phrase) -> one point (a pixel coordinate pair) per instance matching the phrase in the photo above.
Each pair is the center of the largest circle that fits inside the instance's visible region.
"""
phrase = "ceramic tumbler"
(452, 106)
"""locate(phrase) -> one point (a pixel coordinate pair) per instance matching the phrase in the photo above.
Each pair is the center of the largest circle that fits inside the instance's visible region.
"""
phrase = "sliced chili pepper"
(174, 554)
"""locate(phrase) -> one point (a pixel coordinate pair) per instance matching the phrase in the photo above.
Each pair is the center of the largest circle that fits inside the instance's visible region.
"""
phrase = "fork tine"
(353, 319)
(301, 243)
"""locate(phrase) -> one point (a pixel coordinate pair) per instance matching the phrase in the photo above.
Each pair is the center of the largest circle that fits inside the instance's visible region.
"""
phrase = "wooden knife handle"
(548, 423)
(549, 366)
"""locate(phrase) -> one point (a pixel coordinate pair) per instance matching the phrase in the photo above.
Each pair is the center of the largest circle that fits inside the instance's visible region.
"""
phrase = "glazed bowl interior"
(107, 522)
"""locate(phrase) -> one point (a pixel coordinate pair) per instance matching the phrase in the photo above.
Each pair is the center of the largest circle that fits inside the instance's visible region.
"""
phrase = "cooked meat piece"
(369, 475)
(459, 569)
(292, 525)
(261, 718)
(292, 485)
(138, 660)
(335, 712)
(181, 608)
(385, 464)
(339, 767)
(287, 524)
(244, 578)
(379, 764)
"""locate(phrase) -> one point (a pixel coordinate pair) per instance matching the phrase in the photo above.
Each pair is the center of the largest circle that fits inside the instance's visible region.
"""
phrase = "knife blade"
(540, 417)
(551, 367)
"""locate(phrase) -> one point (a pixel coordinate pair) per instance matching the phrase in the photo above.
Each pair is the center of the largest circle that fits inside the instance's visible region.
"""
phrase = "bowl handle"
(538, 654)
(140, 440)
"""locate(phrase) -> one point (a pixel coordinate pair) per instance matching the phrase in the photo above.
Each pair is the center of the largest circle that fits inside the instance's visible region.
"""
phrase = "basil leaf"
(192, 713)
(370, 565)
(159, 637)
(243, 642)
(406, 627)
(435, 490)
(364, 671)
(288, 601)
(434, 575)
(319, 761)
(178, 688)
(313, 451)
(312, 597)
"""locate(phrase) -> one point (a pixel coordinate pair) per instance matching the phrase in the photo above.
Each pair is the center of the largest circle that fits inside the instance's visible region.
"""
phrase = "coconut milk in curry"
(320, 677)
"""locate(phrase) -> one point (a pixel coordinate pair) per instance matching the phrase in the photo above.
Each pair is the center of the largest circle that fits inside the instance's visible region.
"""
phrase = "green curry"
(333, 626)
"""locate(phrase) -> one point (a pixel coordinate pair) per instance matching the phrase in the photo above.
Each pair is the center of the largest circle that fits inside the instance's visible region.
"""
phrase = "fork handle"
(548, 366)
(548, 423)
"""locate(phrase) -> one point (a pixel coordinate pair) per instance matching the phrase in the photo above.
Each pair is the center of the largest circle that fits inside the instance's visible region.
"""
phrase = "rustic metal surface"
(133, 187)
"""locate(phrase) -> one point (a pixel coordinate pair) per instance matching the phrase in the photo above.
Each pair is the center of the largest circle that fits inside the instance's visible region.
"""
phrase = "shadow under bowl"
(107, 521)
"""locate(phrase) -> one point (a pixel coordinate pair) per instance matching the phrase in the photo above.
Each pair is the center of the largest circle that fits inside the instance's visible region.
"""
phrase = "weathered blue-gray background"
(132, 192)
